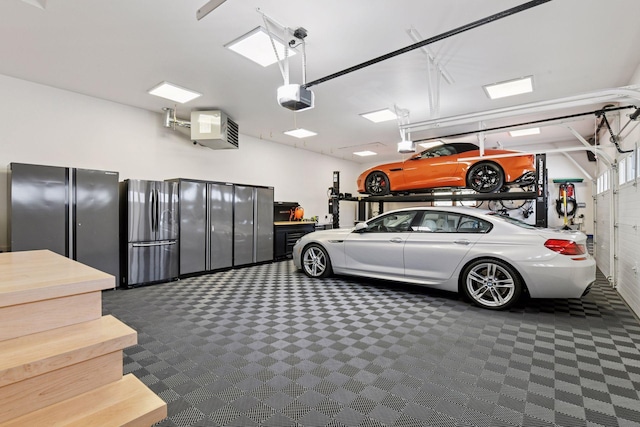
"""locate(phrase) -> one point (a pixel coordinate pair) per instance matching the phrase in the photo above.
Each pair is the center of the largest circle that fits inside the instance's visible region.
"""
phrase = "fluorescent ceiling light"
(256, 46)
(365, 153)
(509, 88)
(174, 92)
(525, 132)
(300, 133)
(380, 116)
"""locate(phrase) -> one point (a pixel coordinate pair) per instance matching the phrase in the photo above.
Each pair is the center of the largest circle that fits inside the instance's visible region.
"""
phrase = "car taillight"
(565, 247)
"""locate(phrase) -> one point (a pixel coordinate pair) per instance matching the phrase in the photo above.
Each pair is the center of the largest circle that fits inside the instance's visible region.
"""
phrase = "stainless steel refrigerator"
(253, 225)
(149, 223)
(70, 211)
(206, 225)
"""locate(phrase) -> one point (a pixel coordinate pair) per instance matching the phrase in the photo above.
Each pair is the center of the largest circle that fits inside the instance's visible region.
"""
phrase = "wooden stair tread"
(126, 402)
(39, 275)
(31, 355)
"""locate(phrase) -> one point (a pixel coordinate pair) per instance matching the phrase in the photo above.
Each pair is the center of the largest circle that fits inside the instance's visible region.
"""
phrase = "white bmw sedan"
(492, 259)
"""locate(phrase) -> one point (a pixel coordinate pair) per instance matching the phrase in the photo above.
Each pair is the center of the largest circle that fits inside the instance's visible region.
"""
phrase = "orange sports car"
(440, 166)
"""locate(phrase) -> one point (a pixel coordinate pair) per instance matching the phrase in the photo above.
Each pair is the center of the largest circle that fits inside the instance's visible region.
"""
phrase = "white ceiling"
(118, 49)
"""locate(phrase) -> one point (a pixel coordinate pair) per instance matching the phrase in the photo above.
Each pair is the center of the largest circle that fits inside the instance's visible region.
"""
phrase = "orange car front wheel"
(377, 184)
(485, 177)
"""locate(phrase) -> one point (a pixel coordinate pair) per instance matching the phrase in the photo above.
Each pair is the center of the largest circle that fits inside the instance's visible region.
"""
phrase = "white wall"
(49, 126)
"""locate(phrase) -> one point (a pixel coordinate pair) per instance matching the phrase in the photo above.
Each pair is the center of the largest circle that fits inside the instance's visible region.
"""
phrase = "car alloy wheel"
(492, 284)
(315, 261)
(485, 177)
(377, 184)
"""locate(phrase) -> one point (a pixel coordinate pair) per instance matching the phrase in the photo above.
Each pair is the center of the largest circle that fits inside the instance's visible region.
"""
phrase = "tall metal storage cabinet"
(73, 212)
(206, 225)
(253, 225)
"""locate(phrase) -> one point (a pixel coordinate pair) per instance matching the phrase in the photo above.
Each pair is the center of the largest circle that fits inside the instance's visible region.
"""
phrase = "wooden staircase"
(60, 359)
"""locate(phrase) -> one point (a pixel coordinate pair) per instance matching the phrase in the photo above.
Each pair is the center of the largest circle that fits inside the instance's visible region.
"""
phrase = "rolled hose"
(572, 207)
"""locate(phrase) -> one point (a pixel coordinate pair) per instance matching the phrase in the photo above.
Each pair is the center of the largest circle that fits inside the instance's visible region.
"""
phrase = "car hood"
(338, 233)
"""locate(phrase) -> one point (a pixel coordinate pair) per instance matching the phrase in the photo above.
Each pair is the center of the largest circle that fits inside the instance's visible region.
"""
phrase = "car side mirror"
(360, 227)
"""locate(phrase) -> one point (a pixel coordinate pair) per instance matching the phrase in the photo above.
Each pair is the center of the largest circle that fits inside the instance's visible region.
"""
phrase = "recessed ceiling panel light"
(380, 116)
(509, 88)
(365, 153)
(256, 46)
(174, 92)
(300, 133)
(525, 132)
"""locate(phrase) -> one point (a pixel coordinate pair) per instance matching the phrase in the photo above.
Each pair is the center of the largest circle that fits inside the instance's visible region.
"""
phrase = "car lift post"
(541, 190)
(334, 199)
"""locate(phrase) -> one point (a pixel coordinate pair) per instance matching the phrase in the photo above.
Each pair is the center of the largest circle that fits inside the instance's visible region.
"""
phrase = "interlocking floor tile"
(267, 346)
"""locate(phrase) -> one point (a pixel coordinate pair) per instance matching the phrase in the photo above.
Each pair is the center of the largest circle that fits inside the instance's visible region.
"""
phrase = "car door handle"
(396, 240)
(461, 242)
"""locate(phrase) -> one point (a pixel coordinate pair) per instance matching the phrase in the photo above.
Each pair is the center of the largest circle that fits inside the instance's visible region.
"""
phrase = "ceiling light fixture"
(525, 132)
(174, 92)
(300, 133)
(256, 46)
(509, 88)
(365, 153)
(380, 116)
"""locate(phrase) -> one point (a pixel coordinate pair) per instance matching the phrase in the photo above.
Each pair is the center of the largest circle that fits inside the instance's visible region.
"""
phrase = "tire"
(514, 204)
(492, 284)
(377, 184)
(316, 262)
(485, 177)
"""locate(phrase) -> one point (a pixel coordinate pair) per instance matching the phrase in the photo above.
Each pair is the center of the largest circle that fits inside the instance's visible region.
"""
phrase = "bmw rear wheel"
(377, 184)
(315, 261)
(492, 284)
(485, 177)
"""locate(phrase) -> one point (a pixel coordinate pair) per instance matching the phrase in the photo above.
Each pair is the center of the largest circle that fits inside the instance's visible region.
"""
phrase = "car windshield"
(507, 218)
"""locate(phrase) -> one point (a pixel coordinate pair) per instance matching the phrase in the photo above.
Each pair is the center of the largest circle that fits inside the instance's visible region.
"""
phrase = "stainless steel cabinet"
(253, 225)
(73, 212)
(206, 226)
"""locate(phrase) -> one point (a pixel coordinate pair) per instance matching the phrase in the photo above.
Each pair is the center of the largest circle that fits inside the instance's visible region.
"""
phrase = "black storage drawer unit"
(287, 233)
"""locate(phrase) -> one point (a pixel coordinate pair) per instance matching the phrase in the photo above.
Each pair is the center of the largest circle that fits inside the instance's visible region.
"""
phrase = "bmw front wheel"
(492, 284)
(315, 261)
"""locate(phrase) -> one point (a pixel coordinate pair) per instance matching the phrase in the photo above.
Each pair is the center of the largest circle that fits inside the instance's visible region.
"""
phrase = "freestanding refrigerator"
(149, 232)
(70, 211)
(206, 225)
(253, 225)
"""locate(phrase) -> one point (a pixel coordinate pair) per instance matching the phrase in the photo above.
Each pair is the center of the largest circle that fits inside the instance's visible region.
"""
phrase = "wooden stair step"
(34, 393)
(127, 402)
(31, 276)
(31, 318)
(33, 355)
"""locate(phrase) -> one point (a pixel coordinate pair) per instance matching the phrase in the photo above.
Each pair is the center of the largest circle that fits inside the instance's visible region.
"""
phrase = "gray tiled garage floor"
(267, 346)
